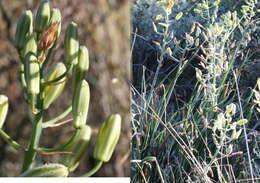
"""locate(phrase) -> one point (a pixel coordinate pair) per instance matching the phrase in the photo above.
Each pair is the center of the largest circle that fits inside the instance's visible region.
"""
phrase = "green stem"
(10, 141)
(93, 170)
(56, 119)
(30, 154)
(63, 146)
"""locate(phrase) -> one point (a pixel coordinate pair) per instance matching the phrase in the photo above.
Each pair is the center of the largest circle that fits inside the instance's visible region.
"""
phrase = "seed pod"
(107, 138)
(80, 104)
(82, 66)
(48, 170)
(30, 46)
(3, 109)
(42, 16)
(78, 149)
(71, 43)
(23, 29)
(52, 92)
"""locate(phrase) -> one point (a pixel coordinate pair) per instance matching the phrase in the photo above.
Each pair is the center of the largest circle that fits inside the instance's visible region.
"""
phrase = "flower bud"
(23, 29)
(71, 43)
(3, 109)
(80, 104)
(50, 35)
(107, 138)
(56, 19)
(82, 66)
(52, 92)
(30, 46)
(48, 170)
(32, 78)
(42, 16)
(32, 71)
(78, 149)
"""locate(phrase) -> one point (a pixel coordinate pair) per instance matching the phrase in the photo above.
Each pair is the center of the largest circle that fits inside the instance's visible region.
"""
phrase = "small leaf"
(163, 24)
(216, 3)
(158, 17)
(242, 122)
(178, 16)
(149, 158)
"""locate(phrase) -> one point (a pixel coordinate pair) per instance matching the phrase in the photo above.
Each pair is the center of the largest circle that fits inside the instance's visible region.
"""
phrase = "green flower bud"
(3, 109)
(107, 138)
(80, 104)
(30, 46)
(78, 149)
(48, 170)
(82, 67)
(32, 78)
(23, 29)
(42, 16)
(71, 43)
(52, 92)
(32, 72)
(56, 18)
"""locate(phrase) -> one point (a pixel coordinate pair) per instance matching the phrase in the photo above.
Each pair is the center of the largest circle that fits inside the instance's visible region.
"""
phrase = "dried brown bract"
(49, 36)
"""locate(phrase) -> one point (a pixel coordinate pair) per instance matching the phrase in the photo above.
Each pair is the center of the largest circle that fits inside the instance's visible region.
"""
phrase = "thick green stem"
(93, 170)
(10, 141)
(30, 154)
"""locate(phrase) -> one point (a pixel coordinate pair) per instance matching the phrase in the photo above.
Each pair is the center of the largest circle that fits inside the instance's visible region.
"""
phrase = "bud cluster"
(35, 40)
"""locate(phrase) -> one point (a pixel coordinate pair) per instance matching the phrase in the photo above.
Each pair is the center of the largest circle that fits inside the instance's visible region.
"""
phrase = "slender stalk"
(93, 170)
(159, 171)
(10, 141)
(30, 154)
(244, 128)
(56, 119)
(63, 146)
(59, 78)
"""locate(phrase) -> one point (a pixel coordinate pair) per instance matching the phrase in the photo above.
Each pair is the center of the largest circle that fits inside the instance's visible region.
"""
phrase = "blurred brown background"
(104, 28)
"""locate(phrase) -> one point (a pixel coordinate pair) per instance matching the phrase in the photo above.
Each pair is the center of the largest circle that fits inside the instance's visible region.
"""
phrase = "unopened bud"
(56, 19)
(107, 138)
(32, 71)
(50, 35)
(23, 29)
(32, 77)
(48, 170)
(80, 104)
(30, 46)
(71, 44)
(78, 149)
(82, 66)
(3, 109)
(52, 92)
(42, 16)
